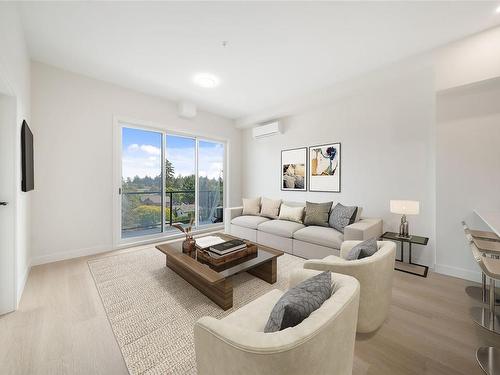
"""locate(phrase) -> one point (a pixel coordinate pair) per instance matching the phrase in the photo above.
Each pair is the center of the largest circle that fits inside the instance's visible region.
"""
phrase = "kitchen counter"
(491, 218)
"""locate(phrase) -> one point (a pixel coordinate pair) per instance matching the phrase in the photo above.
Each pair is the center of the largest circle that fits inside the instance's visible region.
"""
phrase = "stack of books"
(226, 248)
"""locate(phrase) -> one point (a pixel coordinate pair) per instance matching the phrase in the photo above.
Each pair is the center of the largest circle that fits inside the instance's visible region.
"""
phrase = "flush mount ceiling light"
(498, 9)
(206, 80)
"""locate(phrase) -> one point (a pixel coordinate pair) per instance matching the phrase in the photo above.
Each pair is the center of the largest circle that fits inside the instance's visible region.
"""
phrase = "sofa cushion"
(317, 213)
(282, 228)
(254, 315)
(248, 221)
(342, 216)
(291, 213)
(328, 237)
(270, 208)
(251, 206)
(294, 204)
(299, 302)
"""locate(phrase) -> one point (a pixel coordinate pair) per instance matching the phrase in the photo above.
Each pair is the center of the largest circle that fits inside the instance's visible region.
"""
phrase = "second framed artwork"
(324, 167)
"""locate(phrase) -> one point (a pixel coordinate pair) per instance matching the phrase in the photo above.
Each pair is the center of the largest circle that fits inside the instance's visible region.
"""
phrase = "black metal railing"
(207, 199)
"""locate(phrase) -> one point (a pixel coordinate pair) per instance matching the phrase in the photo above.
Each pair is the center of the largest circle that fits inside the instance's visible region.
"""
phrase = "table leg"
(221, 293)
(401, 259)
(410, 262)
(266, 271)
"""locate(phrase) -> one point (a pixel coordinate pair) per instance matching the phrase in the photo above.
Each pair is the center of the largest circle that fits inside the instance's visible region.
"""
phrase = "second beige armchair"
(374, 273)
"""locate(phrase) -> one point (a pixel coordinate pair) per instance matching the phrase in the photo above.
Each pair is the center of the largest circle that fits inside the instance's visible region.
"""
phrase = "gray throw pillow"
(299, 302)
(342, 216)
(363, 250)
(317, 213)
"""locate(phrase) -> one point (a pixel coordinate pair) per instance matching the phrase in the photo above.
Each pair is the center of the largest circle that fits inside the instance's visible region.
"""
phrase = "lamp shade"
(405, 207)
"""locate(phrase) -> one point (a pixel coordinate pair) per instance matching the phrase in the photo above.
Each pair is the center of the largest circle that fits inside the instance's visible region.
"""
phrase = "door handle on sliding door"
(3, 203)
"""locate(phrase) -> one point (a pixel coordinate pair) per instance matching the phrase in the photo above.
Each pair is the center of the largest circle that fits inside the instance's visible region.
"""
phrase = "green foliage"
(147, 215)
(142, 210)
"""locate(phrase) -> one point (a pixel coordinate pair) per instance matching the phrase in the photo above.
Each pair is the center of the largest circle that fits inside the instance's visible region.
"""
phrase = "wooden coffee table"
(216, 283)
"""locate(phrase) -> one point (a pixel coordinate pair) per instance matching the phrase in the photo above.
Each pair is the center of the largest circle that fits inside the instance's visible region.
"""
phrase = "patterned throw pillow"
(270, 208)
(291, 213)
(251, 206)
(363, 250)
(342, 216)
(299, 302)
(317, 213)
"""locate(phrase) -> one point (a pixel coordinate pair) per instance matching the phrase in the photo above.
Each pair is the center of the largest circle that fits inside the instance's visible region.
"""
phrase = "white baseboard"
(458, 272)
(70, 254)
(63, 255)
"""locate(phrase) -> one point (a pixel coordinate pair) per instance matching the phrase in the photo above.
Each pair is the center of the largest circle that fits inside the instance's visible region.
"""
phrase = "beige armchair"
(374, 274)
(322, 344)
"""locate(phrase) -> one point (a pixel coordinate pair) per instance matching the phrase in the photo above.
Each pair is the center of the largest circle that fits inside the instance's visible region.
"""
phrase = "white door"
(7, 206)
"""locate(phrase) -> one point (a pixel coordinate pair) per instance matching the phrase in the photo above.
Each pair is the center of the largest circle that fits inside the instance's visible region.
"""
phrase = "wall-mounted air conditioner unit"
(267, 130)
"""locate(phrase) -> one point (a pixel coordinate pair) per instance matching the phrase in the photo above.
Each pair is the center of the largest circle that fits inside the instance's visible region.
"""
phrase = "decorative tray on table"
(204, 256)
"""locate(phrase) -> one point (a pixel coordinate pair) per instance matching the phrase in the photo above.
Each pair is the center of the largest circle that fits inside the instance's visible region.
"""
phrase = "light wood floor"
(61, 328)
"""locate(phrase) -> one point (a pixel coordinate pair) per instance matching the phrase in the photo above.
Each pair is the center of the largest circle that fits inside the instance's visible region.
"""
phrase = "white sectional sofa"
(310, 242)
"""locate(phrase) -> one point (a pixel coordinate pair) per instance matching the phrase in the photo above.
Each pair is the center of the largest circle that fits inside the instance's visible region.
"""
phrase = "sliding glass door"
(142, 194)
(168, 179)
(180, 180)
(210, 181)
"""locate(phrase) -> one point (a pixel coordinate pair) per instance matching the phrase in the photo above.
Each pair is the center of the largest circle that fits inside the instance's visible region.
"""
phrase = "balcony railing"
(145, 214)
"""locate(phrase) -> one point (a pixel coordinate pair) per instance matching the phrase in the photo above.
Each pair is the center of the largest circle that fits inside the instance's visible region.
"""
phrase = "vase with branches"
(189, 244)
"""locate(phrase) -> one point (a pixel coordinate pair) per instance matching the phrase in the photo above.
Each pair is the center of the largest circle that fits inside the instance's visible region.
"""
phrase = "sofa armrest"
(229, 214)
(363, 230)
(336, 265)
(324, 264)
(232, 212)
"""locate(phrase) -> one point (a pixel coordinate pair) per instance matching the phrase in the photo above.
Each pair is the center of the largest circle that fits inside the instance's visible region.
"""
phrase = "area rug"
(152, 310)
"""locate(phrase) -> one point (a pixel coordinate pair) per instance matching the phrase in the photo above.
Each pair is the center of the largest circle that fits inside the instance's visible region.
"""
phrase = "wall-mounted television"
(27, 182)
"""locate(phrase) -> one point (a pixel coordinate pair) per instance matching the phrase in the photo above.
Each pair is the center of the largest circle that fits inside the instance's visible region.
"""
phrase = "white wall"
(387, 136)
(400, 116)
(472, 59)
(468, 166)
(15, 75)
(72, 205)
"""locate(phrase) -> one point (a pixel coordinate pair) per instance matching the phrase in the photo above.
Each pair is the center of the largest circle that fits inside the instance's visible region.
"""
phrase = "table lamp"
(404, 208)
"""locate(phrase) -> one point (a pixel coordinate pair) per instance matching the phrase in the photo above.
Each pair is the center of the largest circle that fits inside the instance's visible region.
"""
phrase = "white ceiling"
(276, 51)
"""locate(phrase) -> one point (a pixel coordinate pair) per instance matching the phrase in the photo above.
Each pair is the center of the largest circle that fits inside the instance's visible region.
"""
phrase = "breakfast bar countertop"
(491, 218)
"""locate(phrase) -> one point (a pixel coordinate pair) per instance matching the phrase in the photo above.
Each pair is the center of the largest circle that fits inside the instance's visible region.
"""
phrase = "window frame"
(119, 122)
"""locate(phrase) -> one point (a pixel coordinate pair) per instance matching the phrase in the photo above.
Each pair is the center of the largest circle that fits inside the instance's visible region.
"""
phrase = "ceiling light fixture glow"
(498, 9)
(206, 80)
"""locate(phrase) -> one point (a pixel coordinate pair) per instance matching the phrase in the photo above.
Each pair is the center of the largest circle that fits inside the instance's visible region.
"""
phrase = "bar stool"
(481, 234)
(490, 267)
(490, 247)
(488, 357)
(484, 235)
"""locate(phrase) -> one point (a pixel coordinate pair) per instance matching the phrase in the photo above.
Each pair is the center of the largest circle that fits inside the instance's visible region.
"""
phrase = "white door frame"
(118, 123)
(8, 214)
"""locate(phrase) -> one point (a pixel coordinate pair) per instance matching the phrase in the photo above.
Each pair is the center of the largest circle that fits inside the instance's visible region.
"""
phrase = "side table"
(410, 267)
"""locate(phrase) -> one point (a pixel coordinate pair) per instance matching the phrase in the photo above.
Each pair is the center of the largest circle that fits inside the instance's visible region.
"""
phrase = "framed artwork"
(294, 169)
(324, 168)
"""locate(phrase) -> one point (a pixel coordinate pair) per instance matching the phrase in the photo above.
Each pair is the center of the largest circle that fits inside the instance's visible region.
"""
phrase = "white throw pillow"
(251, 206)
(291, 213)
(270, 208)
